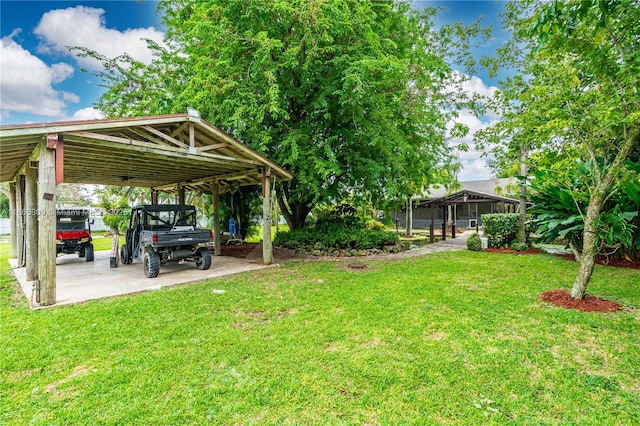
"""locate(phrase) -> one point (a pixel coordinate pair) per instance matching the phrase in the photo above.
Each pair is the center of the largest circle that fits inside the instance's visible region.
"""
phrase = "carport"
(169, 153)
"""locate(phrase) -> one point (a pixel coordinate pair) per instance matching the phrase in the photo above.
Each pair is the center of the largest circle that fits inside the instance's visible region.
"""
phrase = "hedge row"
(336, 238)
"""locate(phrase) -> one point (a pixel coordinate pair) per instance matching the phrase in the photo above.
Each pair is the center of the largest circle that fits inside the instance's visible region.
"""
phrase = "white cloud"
(87, 114)
(26, 82)
(475, 86)
(473, 162)
(89, 30)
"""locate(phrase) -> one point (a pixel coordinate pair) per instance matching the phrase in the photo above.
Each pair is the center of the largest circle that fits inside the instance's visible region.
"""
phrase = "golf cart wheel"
(151, 264)
(203, 258)
(124, 255)
(88, 252)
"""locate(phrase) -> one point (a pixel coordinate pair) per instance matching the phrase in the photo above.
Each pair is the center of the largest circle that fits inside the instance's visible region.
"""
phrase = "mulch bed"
(616, 262)
(238, 250)
(590, 303)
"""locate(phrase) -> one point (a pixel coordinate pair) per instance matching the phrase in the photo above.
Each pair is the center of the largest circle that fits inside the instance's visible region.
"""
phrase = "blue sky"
(41, 81)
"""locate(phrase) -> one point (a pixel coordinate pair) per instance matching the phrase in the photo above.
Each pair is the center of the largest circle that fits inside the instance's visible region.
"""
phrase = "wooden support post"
(47, 226)
(154, 196)
(432, 227)
(267, 247)
(13, 218)
(20, 219)
(59, 160)
(113, 257)
(216, 219)
(31, 220)
(181, 195)
(409, 218)
(444, 223)
(454, 222)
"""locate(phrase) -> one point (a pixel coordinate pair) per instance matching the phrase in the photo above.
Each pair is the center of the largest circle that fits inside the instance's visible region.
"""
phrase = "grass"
(257, 236)
(450, 338)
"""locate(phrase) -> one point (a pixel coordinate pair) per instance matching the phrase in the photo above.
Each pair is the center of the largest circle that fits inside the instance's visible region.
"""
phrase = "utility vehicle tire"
(88, 252)
(81, 252)
(203, 258)
(124, 255)
(151, 264)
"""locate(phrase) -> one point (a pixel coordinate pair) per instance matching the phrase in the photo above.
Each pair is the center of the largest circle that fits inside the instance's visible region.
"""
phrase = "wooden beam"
(13, 218)
(47, 225)
(165, 137)
(151, 148)
(267, 245)
(432, 234)
(60, 161)
(192, 137)
(31, 221)
(212, 147)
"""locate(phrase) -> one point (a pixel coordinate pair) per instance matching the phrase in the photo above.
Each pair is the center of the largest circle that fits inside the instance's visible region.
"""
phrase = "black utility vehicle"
(163, 233)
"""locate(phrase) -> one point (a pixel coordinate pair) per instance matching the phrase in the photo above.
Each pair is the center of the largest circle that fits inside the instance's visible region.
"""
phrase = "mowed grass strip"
(449, 338)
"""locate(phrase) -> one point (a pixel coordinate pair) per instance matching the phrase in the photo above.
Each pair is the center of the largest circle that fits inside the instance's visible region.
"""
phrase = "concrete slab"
(79, 281)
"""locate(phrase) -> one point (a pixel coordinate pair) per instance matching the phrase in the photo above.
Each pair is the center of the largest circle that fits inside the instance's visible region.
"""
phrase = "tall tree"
(349, 95)
(579, 98)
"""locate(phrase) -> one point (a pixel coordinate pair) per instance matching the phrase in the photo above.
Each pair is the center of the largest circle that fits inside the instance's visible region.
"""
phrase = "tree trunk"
(409, 217)
(294, 213)
(522, 229)
(589, 249)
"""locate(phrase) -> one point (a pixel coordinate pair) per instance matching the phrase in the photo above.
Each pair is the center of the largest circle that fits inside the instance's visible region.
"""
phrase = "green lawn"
(451, 338)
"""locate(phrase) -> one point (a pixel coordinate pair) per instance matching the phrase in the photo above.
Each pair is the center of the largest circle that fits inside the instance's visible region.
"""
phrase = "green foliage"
(349, 96)
(338, 228)
(4, 205)
(502, 228)
(574, 99)
(374, 225)
(519, 246)
(474, 243)
(560, 200)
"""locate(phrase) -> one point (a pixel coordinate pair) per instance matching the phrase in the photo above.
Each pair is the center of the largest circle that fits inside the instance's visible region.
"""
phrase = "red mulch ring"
(237, 250)
(530, 250)
(563, 299)
(616, 262)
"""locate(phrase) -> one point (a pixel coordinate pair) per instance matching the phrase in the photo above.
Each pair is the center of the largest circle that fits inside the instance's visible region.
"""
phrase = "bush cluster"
(474, 243)
(338, 232)
(502, 228)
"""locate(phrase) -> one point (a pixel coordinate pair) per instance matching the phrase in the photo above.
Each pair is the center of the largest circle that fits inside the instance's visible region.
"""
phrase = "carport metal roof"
(160, 152)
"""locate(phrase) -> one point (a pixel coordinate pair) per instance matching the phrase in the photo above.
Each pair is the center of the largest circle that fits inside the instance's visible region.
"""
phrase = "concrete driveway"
(79, 281)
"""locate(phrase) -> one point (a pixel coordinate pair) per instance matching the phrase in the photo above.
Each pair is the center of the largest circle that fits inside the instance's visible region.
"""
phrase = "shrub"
(502, 228)
(374, 225)
(335, 237)
(474, 243)
(520, 246)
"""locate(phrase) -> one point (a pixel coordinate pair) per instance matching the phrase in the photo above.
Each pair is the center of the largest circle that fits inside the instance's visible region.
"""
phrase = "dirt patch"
(616, 262)
(238, 250)
(357, 265)
(563, 299)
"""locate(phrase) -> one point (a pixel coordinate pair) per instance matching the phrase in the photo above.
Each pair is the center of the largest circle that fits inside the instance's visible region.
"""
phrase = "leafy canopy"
(348, 95)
